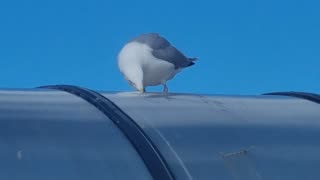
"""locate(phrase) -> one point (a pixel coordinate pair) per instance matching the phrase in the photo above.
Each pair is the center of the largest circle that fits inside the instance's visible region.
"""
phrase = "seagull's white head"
(130, 64)
(134, 75)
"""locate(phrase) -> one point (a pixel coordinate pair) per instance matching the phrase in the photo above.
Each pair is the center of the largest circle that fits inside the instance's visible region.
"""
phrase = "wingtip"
(191, 64)
(193, 59)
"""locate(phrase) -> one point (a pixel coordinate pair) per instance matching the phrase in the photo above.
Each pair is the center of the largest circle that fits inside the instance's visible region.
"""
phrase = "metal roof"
(68, 132)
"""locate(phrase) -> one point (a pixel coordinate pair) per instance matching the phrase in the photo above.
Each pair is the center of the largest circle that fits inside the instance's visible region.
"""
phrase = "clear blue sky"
(244, 47)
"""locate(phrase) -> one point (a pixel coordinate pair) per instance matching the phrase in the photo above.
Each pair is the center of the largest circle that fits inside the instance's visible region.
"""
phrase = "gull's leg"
(165, 89)
(142, 90)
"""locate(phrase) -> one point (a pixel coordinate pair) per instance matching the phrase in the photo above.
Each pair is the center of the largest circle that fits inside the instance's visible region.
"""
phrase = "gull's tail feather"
(193, 59)
(190, 64)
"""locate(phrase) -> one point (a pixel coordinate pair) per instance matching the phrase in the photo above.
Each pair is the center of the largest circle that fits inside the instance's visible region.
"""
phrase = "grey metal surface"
(148, 152)
(230, 137)
(55, 135)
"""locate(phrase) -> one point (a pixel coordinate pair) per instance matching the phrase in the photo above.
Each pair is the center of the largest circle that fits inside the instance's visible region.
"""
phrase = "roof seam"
(149, 153)
(302, 95)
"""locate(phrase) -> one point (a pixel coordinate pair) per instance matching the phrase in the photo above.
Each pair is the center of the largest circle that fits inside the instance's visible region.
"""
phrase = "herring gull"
(151, 60)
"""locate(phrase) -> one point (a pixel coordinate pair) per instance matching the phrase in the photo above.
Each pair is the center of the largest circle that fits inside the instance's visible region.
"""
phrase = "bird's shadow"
(159, 95)
(168, 96)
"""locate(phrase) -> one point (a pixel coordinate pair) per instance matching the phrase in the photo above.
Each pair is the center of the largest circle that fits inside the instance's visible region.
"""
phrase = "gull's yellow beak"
(142, 90)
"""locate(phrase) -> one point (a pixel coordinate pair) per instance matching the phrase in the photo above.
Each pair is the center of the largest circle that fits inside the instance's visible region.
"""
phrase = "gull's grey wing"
(153, 40)
(162, 49)
(172, 55)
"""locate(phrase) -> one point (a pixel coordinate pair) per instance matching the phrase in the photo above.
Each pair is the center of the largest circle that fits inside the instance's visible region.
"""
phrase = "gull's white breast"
(155, 71)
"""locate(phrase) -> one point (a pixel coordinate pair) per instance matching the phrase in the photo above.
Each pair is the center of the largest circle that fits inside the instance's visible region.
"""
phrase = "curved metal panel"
(49, 134)
(144, 146)
(205, 137)
(303, 95)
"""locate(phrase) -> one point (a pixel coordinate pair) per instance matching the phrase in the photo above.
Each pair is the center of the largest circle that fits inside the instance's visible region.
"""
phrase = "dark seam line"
(149, 153)
(303, 95)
